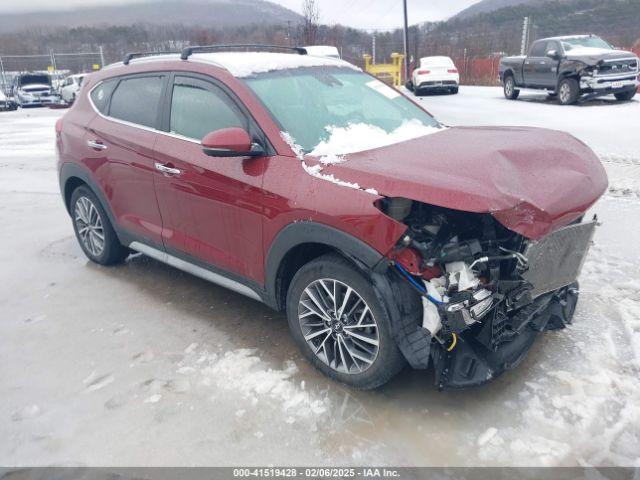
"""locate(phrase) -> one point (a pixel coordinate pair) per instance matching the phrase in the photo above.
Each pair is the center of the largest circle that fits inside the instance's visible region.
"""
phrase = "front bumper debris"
(472, 363)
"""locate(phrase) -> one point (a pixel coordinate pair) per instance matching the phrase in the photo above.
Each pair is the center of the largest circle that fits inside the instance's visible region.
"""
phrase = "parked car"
(571, 68)
(7, 103)
(71, 86)
(304, 183)
(34, 90)
(435, 74)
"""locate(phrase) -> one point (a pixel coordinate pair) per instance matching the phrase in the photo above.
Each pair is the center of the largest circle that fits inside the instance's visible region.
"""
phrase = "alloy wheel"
(509, 86)
(338, 326)
(89, 226)
(565, 92)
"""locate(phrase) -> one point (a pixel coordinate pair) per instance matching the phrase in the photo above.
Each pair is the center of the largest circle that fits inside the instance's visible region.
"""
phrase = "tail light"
(452, 70)
(59, 126)
(424, 72)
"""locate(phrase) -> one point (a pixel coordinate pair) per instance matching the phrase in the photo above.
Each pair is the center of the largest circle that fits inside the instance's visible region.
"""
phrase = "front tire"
(454, 90)
(339, 324)
(625, 96)
(509, 88)
(568, 91)
(93, 230)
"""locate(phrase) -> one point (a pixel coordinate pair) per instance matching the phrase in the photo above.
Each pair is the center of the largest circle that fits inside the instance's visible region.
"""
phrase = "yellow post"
(393, 69)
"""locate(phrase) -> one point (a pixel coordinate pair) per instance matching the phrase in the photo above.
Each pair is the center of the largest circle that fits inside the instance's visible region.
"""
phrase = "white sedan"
(71, 86)
(435, 74)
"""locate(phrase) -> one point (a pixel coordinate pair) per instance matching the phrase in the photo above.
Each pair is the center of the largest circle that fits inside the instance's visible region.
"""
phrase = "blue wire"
(408, 276)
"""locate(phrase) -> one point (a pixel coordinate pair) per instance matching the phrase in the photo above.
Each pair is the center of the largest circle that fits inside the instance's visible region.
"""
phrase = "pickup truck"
(572, 68)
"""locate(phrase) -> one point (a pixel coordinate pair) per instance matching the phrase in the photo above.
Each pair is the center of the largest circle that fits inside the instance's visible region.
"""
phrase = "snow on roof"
(245, 64)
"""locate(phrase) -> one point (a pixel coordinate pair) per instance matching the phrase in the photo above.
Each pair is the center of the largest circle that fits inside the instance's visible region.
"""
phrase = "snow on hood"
(531, 180)
(35, 87)
(246, 64)
(595, 52)
(358, 137)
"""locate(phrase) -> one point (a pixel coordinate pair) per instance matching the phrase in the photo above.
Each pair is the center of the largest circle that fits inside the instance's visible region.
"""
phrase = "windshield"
(31, 79)
(589, 42)
(308, 103)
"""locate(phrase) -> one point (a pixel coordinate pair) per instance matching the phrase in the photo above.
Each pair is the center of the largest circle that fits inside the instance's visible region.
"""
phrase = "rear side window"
(101, 94)
(136, 100)
(199, 107)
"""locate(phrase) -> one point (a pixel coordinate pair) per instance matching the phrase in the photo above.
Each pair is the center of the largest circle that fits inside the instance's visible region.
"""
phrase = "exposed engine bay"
(486, 291)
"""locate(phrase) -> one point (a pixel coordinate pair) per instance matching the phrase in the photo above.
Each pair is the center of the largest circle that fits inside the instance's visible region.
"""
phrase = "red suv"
(306, 184)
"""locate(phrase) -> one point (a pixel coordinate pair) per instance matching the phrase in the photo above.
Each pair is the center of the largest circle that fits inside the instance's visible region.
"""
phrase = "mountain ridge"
(218, 13)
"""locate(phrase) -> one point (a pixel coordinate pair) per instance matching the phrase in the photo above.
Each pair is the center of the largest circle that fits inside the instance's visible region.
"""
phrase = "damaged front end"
(486, 291)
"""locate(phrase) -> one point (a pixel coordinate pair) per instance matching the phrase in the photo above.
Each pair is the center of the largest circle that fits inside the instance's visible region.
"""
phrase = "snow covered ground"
(143, 365)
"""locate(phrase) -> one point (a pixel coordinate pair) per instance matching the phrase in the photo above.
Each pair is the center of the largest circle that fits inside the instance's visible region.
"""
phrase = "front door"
(549, 66)
(211, 207)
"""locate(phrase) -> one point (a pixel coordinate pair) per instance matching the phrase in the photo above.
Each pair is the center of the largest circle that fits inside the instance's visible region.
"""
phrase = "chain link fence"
(57, 64)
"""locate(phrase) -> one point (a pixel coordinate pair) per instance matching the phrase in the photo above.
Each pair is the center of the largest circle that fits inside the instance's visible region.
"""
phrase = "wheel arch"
(73, 176)
(300, 242)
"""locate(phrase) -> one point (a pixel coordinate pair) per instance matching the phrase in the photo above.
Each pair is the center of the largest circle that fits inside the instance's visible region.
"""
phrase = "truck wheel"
(339, 324)
(568, 91)
(510, 90)
(624, 96)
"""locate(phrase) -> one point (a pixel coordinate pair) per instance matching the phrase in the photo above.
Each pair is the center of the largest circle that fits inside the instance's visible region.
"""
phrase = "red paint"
(532, 180)
(234, 139)
(227, 211)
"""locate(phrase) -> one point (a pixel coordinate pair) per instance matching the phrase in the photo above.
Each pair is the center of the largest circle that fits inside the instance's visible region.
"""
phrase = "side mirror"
(553, 54)
(230, 142)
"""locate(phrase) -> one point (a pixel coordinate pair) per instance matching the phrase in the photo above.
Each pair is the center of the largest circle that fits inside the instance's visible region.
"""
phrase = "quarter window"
(101, 94)
(136, 100)
(199, 107)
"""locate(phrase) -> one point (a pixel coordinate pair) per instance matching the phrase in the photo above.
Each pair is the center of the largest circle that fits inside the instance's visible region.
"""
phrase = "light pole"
(406, 41)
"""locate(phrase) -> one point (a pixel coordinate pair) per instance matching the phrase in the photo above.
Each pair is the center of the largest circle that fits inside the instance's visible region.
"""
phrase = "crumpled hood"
(592, 56)
(531, 180)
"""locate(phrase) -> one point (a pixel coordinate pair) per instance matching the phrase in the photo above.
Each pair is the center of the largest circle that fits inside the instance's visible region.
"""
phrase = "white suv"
(71, 86)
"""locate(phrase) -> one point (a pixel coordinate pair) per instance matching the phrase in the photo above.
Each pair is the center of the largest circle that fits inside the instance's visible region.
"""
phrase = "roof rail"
(130, 56)
(188, 51)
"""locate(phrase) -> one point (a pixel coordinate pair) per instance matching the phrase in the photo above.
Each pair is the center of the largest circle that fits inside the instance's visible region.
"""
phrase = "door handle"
(168, 170)
(96, 145)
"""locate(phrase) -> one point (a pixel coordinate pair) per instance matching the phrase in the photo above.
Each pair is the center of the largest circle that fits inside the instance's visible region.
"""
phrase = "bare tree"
(311, 16)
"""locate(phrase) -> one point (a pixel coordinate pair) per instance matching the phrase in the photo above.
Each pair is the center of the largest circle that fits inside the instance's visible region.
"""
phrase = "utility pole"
(4, 80)
(101, 57)
(373, 48)
(289, 32)
(406, 41)
(525, 35)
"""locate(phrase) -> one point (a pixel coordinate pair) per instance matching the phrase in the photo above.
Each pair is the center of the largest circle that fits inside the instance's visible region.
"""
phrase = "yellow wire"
(453, 343)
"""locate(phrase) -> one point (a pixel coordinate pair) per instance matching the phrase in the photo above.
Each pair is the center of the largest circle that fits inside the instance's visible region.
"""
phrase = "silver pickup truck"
(572, 68)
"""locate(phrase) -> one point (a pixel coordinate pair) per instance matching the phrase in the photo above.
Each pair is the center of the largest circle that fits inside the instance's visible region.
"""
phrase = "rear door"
(120, 142)
(211, 207)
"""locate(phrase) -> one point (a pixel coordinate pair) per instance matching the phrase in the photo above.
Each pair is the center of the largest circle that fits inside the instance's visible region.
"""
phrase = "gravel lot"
(141, 364)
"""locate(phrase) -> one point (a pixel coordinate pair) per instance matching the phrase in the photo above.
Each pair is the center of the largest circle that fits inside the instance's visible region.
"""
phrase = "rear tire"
(93, 230)
(568, 91)
(509, 88)
(334, 343)
(625, 96)
(454, 90)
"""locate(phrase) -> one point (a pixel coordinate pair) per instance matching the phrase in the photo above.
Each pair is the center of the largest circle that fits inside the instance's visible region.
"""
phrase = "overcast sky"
(382, 14)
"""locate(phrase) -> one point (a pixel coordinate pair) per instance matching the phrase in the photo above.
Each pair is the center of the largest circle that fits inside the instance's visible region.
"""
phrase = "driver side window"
(538, 49)
(199, 107)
